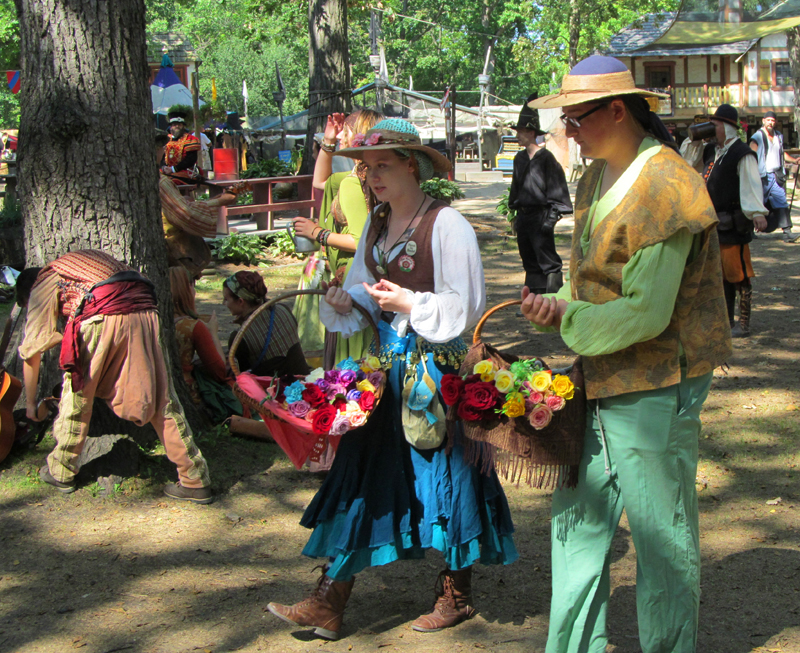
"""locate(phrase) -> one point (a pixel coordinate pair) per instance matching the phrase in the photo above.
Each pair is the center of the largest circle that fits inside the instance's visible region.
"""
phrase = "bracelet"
(327, 147)
(323, 235)
(325, 238)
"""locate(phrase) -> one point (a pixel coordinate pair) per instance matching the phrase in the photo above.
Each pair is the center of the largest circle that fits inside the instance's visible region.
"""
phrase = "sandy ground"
(136, 572)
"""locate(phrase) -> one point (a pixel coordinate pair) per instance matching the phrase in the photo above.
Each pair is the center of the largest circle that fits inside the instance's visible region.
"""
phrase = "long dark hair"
(639, 108)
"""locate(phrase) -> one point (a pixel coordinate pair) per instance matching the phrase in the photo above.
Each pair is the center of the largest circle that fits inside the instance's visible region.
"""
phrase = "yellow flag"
(213, 89)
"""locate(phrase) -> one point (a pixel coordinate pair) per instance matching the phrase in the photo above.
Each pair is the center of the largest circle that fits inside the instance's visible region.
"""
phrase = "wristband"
(327, 147)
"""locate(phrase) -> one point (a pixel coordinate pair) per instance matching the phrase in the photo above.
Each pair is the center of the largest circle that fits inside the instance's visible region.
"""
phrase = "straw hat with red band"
(393, 134)
(595, 78)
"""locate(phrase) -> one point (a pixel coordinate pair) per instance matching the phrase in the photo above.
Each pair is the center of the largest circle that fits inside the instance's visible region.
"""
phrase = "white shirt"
(459, 296)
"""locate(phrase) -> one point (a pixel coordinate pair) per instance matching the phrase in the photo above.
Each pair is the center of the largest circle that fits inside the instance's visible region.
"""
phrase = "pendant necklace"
(383, 263)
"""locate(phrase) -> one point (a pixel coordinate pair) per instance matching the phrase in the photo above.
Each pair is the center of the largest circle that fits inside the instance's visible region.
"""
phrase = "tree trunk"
(328, 67)
(574, 27)
(86, 161)
(793, 44)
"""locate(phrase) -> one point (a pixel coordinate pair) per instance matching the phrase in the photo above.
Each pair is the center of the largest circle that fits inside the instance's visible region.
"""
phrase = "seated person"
(270, 346)
(207, 380)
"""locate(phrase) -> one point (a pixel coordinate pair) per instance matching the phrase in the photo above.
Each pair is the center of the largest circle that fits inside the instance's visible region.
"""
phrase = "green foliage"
(238, 248)
(182, 108)
(280, 244)
(10, 214)
(504, 209)
(267, 168)
(442, 189)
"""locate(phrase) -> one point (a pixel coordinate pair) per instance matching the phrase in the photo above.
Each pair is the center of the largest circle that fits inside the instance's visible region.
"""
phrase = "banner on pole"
(13, 80)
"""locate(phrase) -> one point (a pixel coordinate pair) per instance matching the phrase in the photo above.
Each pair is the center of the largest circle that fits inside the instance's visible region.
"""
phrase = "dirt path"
(134, 572)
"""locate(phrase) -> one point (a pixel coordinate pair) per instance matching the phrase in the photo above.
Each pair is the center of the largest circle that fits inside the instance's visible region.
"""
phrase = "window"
(783, 74)
(659, 74)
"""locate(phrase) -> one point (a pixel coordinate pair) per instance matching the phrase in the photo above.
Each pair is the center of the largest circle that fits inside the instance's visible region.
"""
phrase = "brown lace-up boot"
(453, 597)
(742, 329)
(322, 610)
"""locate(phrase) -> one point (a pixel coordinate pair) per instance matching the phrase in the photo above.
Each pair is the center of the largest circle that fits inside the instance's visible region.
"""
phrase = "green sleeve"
(354, 206)
(650, 284)
(331, 189)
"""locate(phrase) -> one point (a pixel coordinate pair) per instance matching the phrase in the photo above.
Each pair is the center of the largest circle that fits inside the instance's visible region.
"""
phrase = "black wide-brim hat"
(529, 118)
(727, 113)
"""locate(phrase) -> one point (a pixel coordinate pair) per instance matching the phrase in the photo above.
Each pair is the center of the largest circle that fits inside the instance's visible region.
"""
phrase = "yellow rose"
(504, 381)
(514, 408)
(516, 396)
(365, 386)
(485, 369)
(373, 363)
(563, 387)
(541, 381)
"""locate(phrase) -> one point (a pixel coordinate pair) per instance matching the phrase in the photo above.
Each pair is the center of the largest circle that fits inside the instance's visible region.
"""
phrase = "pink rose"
(373, 139)
(540, 417)
(358, 140)
(554, 402)
(375, 378)
(357, 418)
(536, 397)
(299, 408)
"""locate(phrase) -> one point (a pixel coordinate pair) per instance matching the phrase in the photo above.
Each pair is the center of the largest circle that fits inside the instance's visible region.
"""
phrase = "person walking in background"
(731, 174)
(644, 308)
(539, 195)
(767, 143)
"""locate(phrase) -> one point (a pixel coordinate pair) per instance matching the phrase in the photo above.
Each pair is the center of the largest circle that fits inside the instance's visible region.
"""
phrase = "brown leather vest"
(411, 271)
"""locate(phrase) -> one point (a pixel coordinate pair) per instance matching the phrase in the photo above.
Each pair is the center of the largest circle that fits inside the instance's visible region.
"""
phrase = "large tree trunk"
(328, 67)
(793, 44)
(87, 171)
(574, 31)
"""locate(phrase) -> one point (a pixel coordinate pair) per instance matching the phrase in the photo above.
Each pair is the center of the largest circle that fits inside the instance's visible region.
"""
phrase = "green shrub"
(442, 189)
(10, 214)
(238, 248)
(267, 168)
(504, 209)
(280, 244)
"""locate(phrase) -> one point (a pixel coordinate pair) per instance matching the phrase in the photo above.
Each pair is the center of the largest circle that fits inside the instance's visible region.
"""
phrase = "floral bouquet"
(332, 402)
(526, 389)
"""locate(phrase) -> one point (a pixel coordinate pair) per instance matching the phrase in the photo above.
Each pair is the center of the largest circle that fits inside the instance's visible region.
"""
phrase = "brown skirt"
(736, 263)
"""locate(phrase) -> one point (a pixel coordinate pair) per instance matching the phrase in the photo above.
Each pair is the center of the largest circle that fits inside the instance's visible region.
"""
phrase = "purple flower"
(341, 425)
(353, 395)
(322, 384)
(375, 378)
(299, 408)
(360, 376)
(347, 377)
(332, 376)
(340, 388)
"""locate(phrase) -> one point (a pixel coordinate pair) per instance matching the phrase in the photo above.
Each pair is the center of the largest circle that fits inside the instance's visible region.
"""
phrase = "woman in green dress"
(345, 205)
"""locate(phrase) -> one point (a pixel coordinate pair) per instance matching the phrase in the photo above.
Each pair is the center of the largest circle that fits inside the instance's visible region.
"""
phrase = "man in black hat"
(180, 154)
(767, 143)
(539, 195)
(730, 169)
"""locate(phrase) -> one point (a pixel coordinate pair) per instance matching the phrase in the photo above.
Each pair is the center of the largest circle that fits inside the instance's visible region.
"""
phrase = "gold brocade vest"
(667, 196)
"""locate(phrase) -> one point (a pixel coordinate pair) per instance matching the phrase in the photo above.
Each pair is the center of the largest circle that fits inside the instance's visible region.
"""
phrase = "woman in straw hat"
(644, 308)
(418, 272)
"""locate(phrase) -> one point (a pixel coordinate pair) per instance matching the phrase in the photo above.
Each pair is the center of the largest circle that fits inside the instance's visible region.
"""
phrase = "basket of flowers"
(531, 417)
(306, 413)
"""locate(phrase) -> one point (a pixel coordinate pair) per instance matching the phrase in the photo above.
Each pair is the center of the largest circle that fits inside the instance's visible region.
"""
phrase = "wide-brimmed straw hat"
(393, 134)
(594, 78)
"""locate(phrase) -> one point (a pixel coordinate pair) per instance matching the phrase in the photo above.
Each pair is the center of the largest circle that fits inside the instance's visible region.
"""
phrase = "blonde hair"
(180, 284)
(360, 121)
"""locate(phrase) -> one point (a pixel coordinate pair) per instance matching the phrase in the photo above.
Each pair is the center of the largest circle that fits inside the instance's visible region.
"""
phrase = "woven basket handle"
(476, 338)
(275, 300)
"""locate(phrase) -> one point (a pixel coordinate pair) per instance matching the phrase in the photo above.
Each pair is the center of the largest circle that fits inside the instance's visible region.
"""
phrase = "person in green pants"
(644, 307)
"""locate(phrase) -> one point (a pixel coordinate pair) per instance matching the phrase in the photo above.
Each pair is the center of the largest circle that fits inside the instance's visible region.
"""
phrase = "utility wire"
(439, 25)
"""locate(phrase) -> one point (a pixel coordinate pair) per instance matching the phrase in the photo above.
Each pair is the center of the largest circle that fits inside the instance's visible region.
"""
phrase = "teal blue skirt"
(383, 500)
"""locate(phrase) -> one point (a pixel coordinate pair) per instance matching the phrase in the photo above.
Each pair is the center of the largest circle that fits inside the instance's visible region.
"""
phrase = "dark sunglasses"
(576, 122)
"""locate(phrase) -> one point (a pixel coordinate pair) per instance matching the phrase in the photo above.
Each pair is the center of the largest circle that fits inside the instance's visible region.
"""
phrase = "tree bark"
(328, 67)
(793, 45)
(86, 161)
(574, 29)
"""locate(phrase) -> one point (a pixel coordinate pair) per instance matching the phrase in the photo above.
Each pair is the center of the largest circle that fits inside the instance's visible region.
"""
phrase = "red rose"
(469, 413)
(452, 388)
(314, 395)
(366, 401)
(323, 420)
(481, 395)
(340, 403)
(472, 378)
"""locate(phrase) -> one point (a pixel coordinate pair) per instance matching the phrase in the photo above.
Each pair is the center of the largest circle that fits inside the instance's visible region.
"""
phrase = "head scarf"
(232, 284)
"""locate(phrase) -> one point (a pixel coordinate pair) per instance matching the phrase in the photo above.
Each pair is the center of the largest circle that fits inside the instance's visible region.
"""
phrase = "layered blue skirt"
(383, 500)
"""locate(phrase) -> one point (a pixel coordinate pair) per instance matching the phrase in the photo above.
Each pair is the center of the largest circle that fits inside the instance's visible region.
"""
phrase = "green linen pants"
(648, 467)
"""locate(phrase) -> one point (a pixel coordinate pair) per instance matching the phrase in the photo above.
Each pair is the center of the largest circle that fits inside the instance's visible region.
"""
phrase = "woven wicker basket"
(269, 409)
